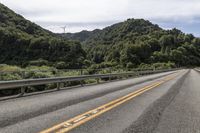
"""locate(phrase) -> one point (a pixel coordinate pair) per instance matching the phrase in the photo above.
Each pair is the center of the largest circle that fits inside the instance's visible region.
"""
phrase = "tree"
(177, 56)
(167, 42)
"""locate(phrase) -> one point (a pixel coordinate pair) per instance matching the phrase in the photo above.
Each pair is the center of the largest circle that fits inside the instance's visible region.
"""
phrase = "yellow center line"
(83, 118)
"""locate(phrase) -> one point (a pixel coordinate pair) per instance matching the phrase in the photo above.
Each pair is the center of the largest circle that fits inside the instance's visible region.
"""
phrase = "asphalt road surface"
(161, 103)
(183, 113)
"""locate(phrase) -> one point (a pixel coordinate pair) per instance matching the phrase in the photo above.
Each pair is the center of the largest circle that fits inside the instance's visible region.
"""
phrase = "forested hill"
(137, 41)
(23, 42)
(129, 29)
(80, 36)
(10, 20)
(132, 43)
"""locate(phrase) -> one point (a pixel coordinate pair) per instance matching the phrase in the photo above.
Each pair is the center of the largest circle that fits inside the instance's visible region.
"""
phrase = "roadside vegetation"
(8, 72)
(27, 51)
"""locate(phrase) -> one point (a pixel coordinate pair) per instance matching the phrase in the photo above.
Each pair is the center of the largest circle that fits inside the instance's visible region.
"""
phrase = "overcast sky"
(91, 14)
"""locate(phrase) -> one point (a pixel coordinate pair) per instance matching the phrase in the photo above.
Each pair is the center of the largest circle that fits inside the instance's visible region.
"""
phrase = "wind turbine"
(64, 28)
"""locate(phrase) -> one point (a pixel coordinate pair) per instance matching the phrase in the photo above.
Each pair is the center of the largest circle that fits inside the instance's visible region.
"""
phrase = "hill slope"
(126, 44)
(129, 29)
(137, 41)
(22, 41)
(9, 19)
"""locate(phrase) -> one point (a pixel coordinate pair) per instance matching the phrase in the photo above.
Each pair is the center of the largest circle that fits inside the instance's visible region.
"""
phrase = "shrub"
(129, 65)
(39, 62)
(61, 65)
(8, 68)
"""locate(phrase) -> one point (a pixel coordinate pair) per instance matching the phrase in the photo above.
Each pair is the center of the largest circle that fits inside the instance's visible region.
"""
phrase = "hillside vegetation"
(137, 42)
(129, 44)
(23, 42)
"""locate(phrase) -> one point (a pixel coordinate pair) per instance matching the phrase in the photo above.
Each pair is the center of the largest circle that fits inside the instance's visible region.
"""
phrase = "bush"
(164, 65)
(10, 76)
(8, 72)
(39, 62)
(8, 68)
(40, 72)
(143, 66)
(129, 65)
(61, 65)
(87, 63)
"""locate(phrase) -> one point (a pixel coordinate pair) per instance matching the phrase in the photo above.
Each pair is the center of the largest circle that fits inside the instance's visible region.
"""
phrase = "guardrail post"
(23, 74)
(82, 84)
(137, 73)
(22, 91)
(110, 71)
(81, 71)
(58, 86)
(127, 76)
(98, 80)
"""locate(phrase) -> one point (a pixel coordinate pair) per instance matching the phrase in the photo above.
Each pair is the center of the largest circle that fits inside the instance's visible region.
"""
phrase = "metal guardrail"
(6, 85)
(197, 69)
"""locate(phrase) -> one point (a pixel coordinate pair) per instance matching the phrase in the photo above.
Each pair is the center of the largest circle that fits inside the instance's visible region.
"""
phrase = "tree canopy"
(125, 44)
(137, 41)
(22, 42)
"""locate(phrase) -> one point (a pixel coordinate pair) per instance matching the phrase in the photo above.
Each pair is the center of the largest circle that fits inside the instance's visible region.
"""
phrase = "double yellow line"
(83, 118)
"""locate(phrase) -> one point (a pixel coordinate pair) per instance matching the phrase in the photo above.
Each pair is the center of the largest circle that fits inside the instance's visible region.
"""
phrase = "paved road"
(15, 110)
(183, 114)
(148, 112)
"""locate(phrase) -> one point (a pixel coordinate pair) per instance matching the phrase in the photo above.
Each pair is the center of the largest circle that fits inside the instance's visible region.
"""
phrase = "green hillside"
(137, 42)
(23, 42)
(132, 43)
